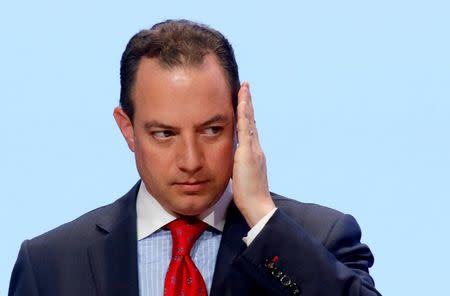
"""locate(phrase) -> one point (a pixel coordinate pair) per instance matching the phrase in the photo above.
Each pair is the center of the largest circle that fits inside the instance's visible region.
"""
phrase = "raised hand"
(250, 186)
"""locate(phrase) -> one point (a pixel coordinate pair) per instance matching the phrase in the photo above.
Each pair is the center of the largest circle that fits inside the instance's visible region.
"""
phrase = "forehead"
(182, 92)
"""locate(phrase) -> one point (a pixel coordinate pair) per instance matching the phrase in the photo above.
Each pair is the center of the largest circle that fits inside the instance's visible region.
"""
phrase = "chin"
(189, 212)
(192, 209)
(193, 205)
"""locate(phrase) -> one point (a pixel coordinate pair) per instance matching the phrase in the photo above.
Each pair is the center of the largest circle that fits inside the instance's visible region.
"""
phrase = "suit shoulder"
(84, 228)
(290, 204)
(307, 214)
(80, 229)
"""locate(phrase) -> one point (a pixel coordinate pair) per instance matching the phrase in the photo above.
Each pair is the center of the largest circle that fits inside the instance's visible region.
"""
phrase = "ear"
(235, 139)
(235, 136)
(126, 126)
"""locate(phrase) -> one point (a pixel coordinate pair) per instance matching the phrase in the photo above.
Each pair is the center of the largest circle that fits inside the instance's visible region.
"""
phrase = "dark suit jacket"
(304, 249)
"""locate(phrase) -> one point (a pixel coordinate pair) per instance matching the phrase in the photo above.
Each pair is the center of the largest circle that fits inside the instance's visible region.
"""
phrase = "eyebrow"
(215, 119)
(156, 124)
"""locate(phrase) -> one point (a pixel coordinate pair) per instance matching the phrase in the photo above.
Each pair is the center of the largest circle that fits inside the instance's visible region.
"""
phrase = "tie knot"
(184, 234)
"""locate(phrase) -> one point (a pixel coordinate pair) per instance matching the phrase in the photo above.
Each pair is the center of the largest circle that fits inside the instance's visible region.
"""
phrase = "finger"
(243, 126)
(247, 97)
(246, 127)
(241, 93)
(250, 103)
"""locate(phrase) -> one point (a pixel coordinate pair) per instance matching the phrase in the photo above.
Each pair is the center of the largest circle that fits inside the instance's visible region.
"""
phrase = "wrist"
(254, 214)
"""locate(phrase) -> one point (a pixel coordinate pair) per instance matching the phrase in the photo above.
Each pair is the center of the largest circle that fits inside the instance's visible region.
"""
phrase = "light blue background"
(352, 103)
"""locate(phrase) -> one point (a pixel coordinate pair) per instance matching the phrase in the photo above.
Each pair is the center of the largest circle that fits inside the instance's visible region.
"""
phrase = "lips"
(191, 186)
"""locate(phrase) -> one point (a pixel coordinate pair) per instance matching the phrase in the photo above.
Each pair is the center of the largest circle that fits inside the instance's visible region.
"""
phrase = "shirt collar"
(151, 216)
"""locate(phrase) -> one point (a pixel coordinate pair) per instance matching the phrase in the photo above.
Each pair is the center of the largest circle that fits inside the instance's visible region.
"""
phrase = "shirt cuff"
(256, 229)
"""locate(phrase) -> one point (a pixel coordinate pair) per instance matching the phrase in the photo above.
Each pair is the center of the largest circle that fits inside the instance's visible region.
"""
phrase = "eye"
(161, 135)
(213, 130)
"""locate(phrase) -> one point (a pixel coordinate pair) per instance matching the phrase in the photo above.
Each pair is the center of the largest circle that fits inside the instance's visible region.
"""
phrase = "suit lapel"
(230, 246)
(113, 257)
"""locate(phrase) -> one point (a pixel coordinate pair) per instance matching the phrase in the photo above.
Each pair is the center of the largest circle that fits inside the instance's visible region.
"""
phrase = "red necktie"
(182, 277)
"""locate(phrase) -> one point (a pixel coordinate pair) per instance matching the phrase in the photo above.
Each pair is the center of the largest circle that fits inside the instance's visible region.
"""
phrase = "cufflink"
(272, 266)
(270, 263)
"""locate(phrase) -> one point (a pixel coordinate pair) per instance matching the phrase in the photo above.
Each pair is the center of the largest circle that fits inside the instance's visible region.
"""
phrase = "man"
(190, 124)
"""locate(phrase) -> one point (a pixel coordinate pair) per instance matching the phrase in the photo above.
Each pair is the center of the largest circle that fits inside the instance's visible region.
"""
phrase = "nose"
(190, 156)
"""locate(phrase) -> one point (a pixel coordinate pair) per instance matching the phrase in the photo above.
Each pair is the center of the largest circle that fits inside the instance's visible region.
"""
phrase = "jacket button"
(276, 273)
(285, 281)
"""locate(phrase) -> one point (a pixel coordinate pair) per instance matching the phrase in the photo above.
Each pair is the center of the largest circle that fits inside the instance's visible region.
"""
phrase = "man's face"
(182, 133)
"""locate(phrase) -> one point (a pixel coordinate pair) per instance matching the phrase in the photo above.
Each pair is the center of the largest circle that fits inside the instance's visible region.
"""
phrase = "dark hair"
(176, 43)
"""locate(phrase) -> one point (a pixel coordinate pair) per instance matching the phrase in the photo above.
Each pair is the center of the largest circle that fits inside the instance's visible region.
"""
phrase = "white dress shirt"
(155, 243)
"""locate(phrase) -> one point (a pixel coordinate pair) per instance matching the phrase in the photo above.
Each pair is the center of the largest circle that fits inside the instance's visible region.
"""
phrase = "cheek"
(152, 164)
(222, 157)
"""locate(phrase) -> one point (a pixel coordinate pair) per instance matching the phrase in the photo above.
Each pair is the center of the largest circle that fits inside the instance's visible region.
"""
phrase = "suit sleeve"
(23, 282)
(284, 259)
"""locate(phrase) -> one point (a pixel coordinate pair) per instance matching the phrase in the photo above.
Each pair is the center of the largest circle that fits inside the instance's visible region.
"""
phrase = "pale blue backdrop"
(352, 103)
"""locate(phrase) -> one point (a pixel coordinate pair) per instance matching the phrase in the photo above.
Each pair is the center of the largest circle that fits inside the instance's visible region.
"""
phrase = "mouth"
(191, 186)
